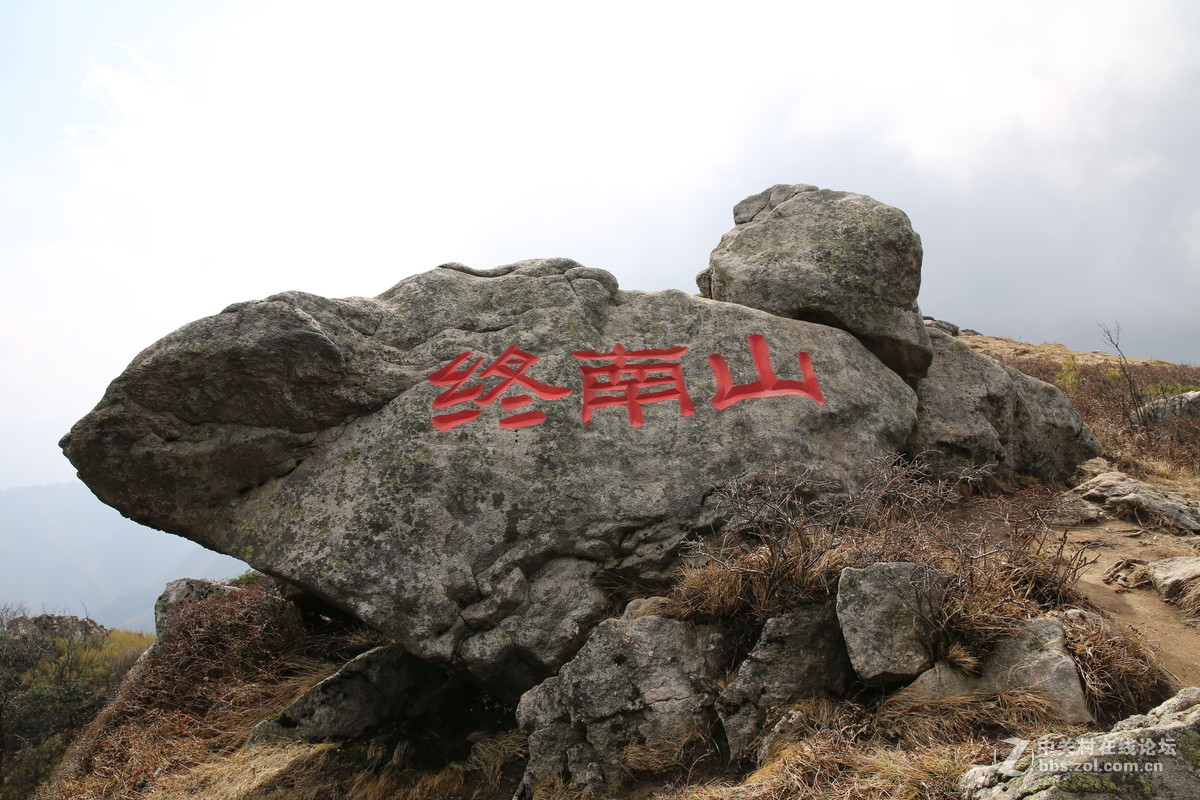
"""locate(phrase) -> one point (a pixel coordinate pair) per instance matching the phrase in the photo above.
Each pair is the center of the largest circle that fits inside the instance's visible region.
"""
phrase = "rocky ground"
(792, 540)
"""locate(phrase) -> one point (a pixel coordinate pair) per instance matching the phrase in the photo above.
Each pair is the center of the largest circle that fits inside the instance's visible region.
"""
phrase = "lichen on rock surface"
(836, 258)
(296, 433)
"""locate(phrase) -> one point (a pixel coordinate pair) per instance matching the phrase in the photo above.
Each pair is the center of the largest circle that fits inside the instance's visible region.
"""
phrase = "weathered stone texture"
(974, 411)
(836, 258)
(887, 612)
(799, 654)
(295, 433)
(1035, 659)
(1128, 497)
(646, 682)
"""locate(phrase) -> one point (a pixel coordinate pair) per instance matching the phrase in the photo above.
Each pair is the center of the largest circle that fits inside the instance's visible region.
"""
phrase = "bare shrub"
(780, 549)
(1107, 397)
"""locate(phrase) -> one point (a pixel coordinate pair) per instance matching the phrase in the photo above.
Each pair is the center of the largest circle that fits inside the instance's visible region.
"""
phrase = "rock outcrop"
(799, 654)
(836, 258)
(332, 443)
(887, 615)
(975, 411)
(641, 686)
(1186, 405)
(1127, 497)
(367, 693)
(468, 460)
(1035, 659)
(1153, 755)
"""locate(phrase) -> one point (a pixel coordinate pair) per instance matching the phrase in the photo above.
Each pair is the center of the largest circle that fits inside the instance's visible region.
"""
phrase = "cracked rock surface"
(296, 433)
(642, 683)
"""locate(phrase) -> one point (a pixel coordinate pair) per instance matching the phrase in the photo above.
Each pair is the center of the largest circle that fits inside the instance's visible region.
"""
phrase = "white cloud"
(293, 146)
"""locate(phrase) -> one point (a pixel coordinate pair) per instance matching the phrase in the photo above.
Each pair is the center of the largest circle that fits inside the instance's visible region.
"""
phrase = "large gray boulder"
(1154, 755)
(836, 258)
(301, 435)
(975, 411)
(644, 684)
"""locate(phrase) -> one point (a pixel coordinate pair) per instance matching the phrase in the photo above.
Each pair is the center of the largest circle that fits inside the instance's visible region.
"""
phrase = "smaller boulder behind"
(834, 258)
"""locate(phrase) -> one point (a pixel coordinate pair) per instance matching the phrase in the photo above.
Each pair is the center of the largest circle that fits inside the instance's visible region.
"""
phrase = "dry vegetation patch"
(1106, 390)
(780, 548)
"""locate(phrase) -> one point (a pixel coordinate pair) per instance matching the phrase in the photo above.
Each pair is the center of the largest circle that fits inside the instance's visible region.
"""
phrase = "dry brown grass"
(927, 723)
(1120, 674)
(558, 789)
(293, 771)
(491, 754)
(1100, 390)
(192, 699)
(780, 550)
(823, 766)
(662, 756)
(1188, 600)
(840, 750)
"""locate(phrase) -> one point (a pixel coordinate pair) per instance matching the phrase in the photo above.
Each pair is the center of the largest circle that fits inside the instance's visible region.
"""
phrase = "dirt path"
(1142, 610)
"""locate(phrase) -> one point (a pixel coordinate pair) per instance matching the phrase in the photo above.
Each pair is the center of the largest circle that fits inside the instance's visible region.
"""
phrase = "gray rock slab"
(298, 434)
(886, 612)
(1171, 576)
(646, 681)
(363, 695)
(836, 258)
(1128, 497)
(799, 654)
(975, 411)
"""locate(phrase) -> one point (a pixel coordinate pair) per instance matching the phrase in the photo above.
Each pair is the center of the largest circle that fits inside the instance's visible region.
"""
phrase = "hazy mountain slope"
(62, 549)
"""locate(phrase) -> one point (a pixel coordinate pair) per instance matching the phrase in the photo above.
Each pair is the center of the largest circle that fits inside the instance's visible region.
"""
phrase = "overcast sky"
(159, 161)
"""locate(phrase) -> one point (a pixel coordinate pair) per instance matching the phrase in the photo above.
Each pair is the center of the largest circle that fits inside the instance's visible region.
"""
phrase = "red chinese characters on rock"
(511, 366)
(629, 379)
(767, 385)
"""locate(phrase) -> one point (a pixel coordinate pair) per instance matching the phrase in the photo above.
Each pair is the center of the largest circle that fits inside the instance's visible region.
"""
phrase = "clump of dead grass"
(291, 771)
(1120, 674)
(230, 662)
(903, 749)
(929, 722)
(491, 754)
(1188, 600)
(663, 755)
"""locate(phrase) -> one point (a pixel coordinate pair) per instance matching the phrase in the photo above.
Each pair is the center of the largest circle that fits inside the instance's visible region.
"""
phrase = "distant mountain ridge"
(63, 550)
